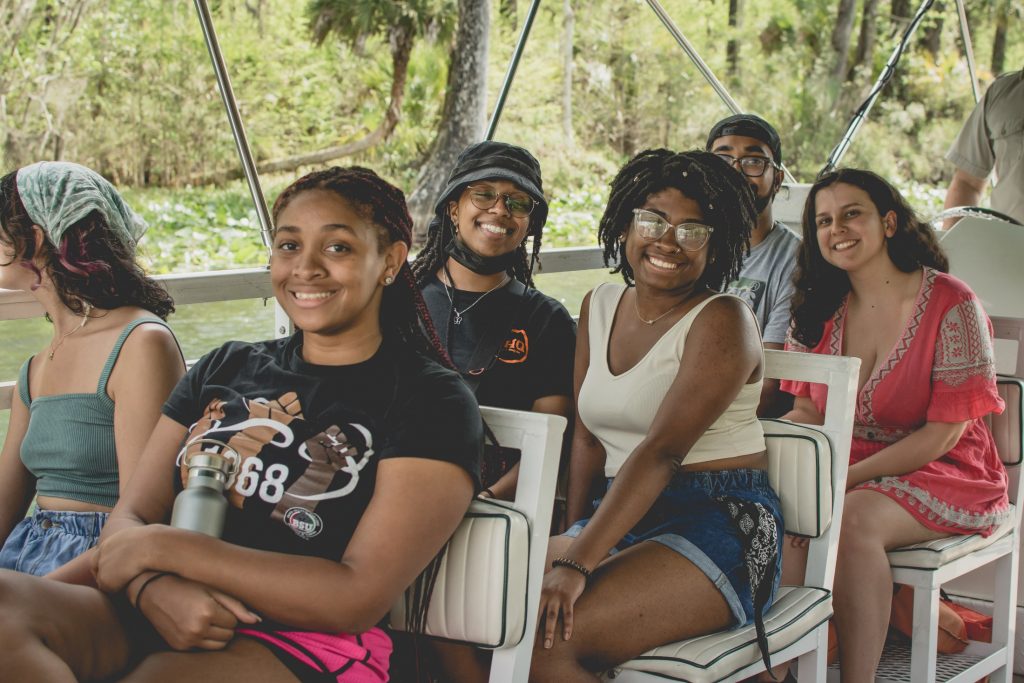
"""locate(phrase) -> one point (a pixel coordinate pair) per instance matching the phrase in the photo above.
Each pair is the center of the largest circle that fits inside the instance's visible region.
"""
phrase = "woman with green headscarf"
(85, 405)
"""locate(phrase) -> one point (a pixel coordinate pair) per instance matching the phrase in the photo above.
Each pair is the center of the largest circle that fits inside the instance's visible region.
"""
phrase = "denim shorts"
(728, 523)
(49, 539)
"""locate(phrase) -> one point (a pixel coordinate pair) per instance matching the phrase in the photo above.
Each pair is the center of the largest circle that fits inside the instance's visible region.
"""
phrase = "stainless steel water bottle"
(201, 506)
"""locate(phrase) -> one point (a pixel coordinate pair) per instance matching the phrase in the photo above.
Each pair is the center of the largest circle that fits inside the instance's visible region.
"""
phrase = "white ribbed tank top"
(619, 409)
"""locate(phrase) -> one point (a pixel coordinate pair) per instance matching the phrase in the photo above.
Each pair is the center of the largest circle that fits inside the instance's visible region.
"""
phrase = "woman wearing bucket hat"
(513, 345)
(80, 415)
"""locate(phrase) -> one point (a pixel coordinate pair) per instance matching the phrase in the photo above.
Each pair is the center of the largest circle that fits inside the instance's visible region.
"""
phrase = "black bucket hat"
(490, 160)
(751, 126)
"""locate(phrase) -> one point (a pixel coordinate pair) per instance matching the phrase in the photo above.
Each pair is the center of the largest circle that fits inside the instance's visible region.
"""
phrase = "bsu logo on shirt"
(515, 348)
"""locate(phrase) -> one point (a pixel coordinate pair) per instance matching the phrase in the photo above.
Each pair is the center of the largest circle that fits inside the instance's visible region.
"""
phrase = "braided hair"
(404, 315)
(820, 286)
(441, 232)
(90, 267)
(724, 196)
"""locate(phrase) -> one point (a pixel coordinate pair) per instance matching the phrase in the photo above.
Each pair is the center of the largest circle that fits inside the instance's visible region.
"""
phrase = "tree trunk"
(732, 48)
(931, 39)
(567, 69)
(999, 40)
(401, 38)
(866, 39)
(462, 118)
(900, 14)
(841, 38)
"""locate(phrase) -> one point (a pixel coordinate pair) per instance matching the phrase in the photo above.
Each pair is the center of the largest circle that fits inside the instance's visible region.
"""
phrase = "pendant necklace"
(60, 342)
(645, 321)
(449, 286)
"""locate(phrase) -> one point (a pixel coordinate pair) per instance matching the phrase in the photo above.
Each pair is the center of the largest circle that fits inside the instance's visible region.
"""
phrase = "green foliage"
(130, 92)
(354, 22)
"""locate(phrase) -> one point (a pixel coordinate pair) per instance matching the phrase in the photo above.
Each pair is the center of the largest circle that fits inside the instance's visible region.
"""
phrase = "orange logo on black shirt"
(516, 348)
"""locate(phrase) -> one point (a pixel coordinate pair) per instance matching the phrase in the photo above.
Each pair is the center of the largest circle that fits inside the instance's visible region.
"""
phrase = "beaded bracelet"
(571, 564)
(145, 585)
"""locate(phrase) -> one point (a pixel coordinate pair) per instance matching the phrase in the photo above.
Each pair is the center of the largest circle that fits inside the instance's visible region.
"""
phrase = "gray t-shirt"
(766, 282)
(993, 138)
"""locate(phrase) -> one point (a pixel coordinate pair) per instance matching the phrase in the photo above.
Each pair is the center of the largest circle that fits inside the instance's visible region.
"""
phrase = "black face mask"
(761, 203)
(481, 265)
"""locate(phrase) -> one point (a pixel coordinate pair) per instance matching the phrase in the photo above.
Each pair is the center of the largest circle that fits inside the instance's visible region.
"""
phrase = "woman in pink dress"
(872, 284)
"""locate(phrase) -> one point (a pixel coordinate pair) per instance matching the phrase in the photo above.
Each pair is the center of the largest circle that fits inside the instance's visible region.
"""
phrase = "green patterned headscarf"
(57, 194)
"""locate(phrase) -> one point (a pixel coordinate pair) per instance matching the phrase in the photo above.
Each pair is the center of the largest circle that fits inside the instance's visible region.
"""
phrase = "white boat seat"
(800, 468)
(928, 566)
(796, 612)
(480, 593)
(487, 589)
(942, 551)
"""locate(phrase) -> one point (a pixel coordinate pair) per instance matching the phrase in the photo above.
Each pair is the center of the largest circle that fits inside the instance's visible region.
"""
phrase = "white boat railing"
(253, 283)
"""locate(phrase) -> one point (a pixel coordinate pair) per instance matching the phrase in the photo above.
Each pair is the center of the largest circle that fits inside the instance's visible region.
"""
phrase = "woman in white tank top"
(667, 380)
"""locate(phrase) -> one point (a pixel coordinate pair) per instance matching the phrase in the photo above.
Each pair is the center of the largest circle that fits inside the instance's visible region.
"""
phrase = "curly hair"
(403, 312)
(821, 286)
(90, 266)
(724, 196)
(442, 231)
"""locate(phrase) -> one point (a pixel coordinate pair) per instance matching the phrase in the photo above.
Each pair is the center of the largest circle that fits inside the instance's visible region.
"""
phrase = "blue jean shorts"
(728, 523)
(49, 539)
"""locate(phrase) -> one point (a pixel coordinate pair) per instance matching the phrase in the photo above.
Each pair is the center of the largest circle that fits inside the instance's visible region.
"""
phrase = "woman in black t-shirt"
(513, 345)
(356, 457)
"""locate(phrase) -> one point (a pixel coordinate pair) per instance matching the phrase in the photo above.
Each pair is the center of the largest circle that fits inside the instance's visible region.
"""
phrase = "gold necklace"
(645, 321)
(60, 342)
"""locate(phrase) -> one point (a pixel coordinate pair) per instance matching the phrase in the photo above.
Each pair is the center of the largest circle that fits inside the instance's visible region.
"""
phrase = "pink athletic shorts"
(330, 657)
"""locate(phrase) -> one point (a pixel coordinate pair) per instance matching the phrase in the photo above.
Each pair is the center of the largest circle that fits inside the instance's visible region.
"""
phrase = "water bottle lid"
(214, 461)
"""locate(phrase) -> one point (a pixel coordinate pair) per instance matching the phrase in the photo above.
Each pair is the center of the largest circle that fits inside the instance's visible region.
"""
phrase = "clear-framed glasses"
(690, 236)
(752, 166)
(519, 204)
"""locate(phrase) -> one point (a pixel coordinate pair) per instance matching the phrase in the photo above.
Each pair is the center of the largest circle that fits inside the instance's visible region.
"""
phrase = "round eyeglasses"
(690, 236)
(519, 204)
(752, 167)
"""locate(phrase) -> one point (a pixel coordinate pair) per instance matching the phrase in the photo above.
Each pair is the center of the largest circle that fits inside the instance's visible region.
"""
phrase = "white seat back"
(800, 471)
(479, 595)
(812, 515)
(487, 591)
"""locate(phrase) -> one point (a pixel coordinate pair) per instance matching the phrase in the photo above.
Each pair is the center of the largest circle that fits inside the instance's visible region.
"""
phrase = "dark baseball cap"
(751, 126)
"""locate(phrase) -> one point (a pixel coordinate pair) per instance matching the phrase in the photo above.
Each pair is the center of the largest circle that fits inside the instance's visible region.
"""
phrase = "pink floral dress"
(941, 370)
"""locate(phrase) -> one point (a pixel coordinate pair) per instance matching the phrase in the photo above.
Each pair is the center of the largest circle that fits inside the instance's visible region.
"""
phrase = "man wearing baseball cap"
(752, 146)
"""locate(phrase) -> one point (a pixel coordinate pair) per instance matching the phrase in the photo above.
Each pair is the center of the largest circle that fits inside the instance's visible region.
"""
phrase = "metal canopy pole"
(884, 77)
(510, 74)
(237, 129)
(965, 34)
(704, 69)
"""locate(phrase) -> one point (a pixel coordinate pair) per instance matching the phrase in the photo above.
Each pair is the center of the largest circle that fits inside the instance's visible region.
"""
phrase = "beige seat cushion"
(480, 593)
(934, 554)
(796, 612)
(800, 470)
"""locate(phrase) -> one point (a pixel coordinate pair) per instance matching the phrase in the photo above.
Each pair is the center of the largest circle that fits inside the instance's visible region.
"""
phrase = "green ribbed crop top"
(69, 444)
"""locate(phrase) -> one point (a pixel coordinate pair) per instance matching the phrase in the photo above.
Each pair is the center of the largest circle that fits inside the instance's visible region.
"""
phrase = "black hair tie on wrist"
(571, 564)
(145, 585)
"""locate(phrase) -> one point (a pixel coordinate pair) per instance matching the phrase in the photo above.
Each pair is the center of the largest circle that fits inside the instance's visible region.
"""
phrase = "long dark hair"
(820, 286)
(442, 231)
(724, 196)
(91, 265)
(404, 315)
